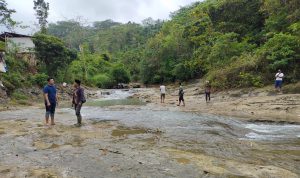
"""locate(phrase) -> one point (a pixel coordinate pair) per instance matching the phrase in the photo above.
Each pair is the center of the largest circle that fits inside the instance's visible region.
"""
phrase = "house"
(22, 44)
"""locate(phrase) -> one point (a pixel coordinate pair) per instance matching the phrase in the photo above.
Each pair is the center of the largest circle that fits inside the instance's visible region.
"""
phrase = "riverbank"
(262, 104)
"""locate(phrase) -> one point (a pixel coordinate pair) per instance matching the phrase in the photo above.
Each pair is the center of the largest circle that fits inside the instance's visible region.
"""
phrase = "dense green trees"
(233, 43)
(52, 54)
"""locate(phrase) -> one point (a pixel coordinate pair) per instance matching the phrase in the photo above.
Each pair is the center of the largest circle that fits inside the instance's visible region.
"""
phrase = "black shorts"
(181, 98)
(51, 108)
(162, 95)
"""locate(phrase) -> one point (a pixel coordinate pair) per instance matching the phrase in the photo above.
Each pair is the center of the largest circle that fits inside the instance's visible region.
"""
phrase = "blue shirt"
(51, 91)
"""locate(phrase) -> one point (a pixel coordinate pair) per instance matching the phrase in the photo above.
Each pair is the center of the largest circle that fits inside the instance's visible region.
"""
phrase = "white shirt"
(279, 76)
(162, 89)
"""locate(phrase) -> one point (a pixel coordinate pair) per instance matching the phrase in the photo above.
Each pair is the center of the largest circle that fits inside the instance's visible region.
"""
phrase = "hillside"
(232, 43)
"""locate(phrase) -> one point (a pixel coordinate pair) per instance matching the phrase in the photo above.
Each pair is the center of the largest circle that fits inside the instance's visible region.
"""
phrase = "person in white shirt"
(278, 82)
(162, 93)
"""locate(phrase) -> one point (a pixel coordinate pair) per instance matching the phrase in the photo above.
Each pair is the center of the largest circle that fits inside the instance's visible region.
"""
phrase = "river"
(135, 139)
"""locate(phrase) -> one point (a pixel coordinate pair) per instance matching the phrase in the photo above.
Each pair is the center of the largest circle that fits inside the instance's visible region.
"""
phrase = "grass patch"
(19, 96)
(292, 88)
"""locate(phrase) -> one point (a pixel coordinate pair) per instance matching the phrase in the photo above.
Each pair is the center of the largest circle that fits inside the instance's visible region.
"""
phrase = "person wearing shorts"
(50, 97)
(278, 81)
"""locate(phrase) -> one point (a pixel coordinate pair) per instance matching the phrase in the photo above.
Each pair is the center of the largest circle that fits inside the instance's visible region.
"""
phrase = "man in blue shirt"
(50, 97)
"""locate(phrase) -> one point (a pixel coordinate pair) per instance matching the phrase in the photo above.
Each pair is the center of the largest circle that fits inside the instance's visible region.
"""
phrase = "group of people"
(181, 93)
(208, 89)
(51, 100)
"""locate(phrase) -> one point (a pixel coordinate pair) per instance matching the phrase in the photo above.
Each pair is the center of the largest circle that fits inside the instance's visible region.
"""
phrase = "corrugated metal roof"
(9, 34)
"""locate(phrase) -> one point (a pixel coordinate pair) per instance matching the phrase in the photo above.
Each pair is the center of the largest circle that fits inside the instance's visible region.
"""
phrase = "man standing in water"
(50, 96)
(278, 82)
(162, 93)
(207, 91)
(181, 93)
(78, 100)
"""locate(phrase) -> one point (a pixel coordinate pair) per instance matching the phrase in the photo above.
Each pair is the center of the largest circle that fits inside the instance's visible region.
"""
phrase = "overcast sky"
(96, 10)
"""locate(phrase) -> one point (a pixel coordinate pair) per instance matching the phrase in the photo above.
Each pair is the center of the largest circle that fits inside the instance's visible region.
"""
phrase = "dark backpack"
(83, 100)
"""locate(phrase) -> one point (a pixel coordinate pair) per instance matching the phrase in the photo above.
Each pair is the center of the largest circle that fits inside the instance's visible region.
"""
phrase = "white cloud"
(98, 10)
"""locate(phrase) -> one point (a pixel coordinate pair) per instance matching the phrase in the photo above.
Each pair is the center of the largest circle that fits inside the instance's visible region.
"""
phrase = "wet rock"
(105, 93)
(136, 85)
(105, 151)
(205, 172)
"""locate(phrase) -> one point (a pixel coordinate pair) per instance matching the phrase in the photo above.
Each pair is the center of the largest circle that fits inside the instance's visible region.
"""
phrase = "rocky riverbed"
(125, 138)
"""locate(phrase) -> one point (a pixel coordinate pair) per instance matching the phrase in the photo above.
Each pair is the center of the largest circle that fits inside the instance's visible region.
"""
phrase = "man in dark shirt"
(50, 97)
(180, 94)
(207, 91)
(78, 100)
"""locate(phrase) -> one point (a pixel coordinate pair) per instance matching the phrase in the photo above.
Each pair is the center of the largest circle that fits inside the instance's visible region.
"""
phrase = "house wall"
(25, 48)
(23, 44)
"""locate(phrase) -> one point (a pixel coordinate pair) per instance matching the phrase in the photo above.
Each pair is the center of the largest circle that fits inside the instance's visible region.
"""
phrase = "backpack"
(83, 100)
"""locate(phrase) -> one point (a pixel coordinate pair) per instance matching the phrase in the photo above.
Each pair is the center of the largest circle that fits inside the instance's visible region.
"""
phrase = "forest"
(232, 43)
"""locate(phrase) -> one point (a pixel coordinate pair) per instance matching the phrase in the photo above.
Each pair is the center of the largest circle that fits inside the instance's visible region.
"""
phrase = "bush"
(120, 74)
(19, 96)
(243, 72)
(292, 88)
(103, 81)
(39, 79)
(282, 52)
(248, 80)
(13, 79)
(10, 87)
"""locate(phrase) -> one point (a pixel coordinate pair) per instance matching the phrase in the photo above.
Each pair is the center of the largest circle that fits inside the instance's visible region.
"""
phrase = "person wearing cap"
(278, 81)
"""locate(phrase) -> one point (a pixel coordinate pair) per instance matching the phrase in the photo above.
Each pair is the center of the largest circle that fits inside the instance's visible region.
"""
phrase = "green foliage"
(248, 79)
(103, 81)
(88, 65)
(282, 51)
(17, 73)
(52, 53)
(2, 46)
(243, 72)
(120, 74)
(39, 79)
(19, 96)
(233, 43)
